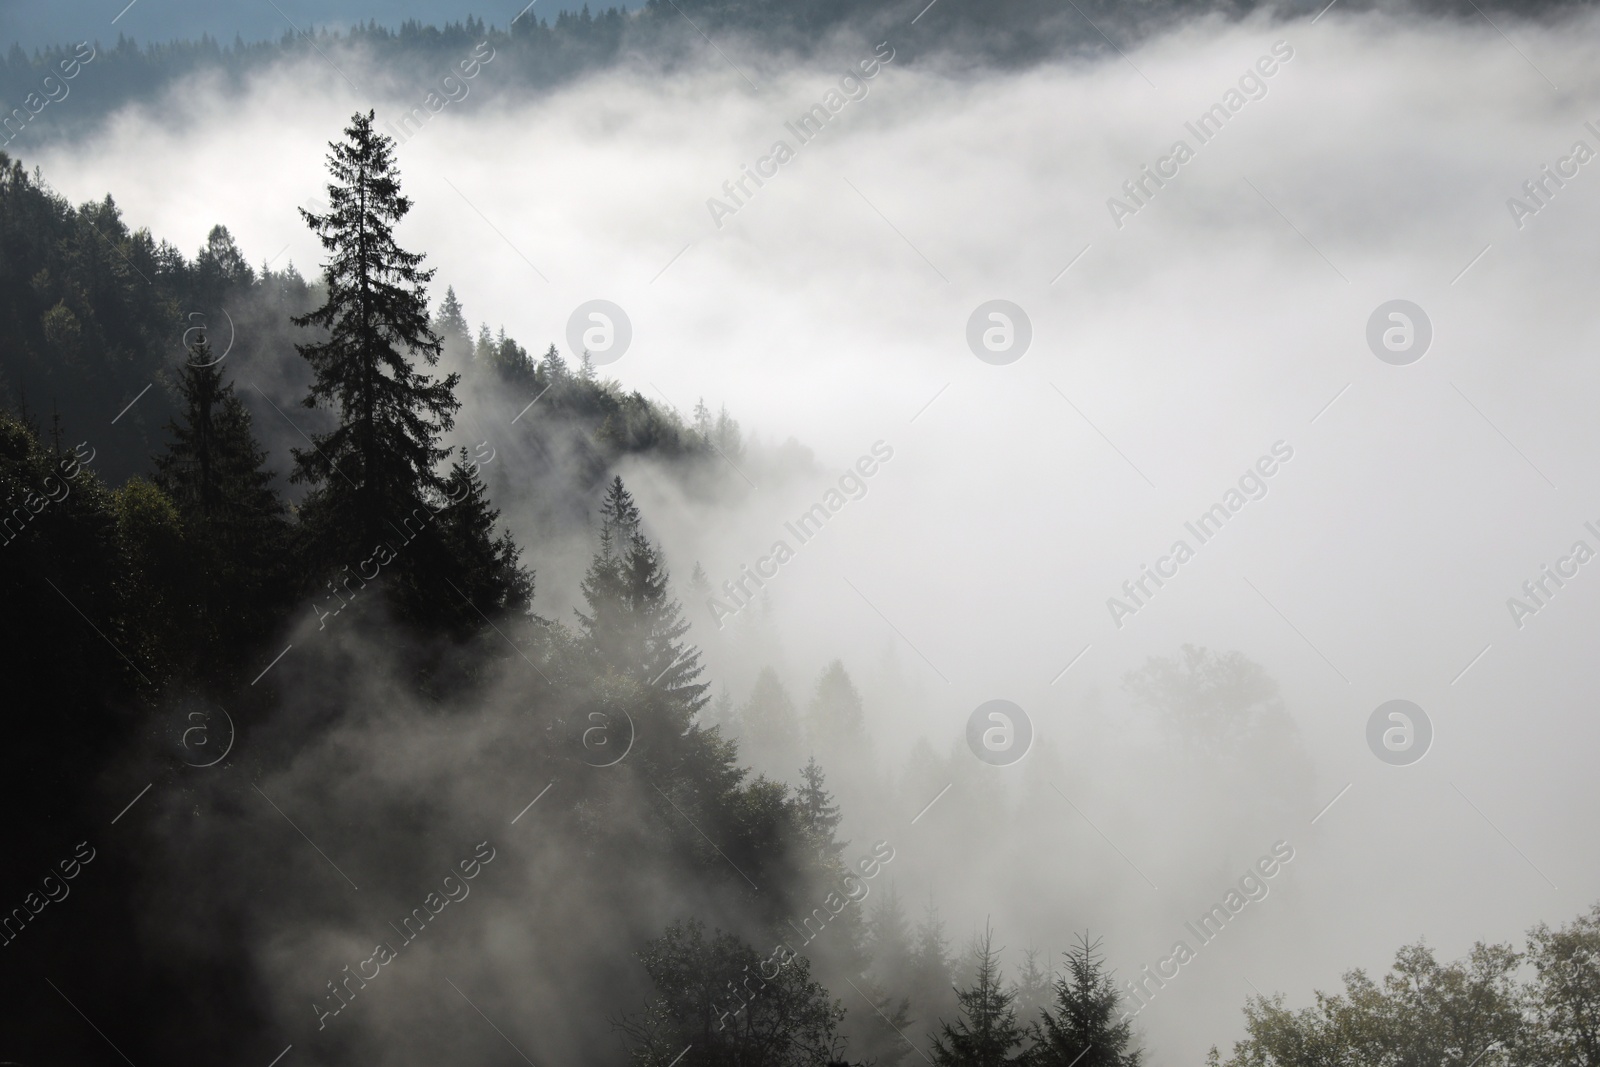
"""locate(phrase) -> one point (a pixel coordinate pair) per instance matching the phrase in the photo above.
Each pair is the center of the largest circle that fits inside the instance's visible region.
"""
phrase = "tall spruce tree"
(889, 938)
(819, 819)
(1085, 1026)
(819, 815)
(932, 970)
(834, 720)
(450, 324)
(381, 461)
(1033, 986)
(484, 568)
(987, 1033)
(769, 727)
(634, 626)
(214, 472)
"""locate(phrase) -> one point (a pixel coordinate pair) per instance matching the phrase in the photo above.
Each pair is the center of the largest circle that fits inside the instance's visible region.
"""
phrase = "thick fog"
(1180, 347)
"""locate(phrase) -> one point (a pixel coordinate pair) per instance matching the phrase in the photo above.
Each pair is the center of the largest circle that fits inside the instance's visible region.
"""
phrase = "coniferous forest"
(382, 689)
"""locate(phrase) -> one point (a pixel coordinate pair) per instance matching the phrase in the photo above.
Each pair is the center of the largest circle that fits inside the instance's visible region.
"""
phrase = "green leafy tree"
(986, 1033)
(1084, 1026)
(1564, 997)
(1423, 1012)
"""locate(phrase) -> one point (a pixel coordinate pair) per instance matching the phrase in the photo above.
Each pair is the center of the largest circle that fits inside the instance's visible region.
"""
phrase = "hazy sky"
(1228, 314)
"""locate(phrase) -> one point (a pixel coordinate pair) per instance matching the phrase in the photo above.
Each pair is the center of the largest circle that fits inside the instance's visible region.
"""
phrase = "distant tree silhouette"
(1084, 1024)
(986, 1033)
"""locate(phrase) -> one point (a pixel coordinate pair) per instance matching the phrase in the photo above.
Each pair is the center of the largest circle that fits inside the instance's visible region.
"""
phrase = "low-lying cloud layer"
(1218, 317)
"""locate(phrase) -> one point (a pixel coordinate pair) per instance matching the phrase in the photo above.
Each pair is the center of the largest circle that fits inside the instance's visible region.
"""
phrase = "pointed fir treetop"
(1084, 1020)
(486, 568)
(699, 585)
(835, 715)
(553, 366)
(930, 947)
(1033, 985)
(634, 625)
(768, 720)
(819, 815)
(619, 515)
(889, 928)
(451, 324)
(381, 460)
(213, 469)
(987, 1031)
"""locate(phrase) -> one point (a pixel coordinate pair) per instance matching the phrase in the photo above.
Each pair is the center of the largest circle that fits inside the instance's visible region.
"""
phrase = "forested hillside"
(531, 54)
(301, 756)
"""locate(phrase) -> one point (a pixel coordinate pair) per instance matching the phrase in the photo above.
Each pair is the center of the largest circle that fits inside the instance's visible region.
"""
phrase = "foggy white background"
(1194, 338)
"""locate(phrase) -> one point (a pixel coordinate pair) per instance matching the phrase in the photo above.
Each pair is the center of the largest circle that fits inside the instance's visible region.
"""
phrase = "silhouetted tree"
(234, 522)
(987, 1032)
(1084, 1025)
(730, 1006)
(769, 727)
(834, 719)
(483, 568)
(380, 461)
(450, 325)
(820, 816)
(932, 977)
(1032, 988)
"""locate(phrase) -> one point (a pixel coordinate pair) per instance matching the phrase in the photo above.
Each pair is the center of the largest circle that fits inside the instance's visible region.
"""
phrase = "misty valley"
(513, 594)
